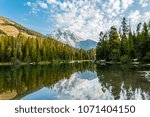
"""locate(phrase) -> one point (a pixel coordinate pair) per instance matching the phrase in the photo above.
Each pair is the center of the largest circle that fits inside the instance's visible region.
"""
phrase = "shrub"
(124, 59)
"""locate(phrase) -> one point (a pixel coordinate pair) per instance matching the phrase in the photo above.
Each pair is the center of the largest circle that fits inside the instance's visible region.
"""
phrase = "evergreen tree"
(19, 54)
(26, 52)
(38, 54)
(131, 44)
(125, 26)
(114, 43)
(2, 50)
(125, 50)
(103, 47)
(23, 49)
(145, 44)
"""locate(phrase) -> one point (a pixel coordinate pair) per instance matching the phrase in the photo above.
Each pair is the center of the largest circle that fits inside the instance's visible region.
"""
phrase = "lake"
(79, 81)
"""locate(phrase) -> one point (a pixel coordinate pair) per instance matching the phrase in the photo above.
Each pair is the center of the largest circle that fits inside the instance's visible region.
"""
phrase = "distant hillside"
(11, 28)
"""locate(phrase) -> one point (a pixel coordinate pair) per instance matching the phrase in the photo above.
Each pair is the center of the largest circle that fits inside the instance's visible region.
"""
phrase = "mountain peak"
(68, 37)
(65, 36)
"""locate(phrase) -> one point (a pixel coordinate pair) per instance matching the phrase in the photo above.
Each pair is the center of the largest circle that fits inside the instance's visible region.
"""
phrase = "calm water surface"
(83, 81)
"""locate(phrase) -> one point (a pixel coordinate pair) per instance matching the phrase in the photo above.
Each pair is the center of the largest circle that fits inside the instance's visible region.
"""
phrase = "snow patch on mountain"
(68, 37)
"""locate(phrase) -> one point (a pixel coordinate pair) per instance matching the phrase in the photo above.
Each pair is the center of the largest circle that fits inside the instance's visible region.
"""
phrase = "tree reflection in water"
(74, 81)
(16, 82)
(124, 81)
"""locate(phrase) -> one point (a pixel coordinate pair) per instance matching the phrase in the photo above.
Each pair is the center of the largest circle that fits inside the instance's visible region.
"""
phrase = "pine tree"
(125, 50)
(125, 26)
(131, 45)
(145, 43)
(114, 44)
(2, 50)
(19, 54)
(26, 52)
(38, 54)
(103, 47)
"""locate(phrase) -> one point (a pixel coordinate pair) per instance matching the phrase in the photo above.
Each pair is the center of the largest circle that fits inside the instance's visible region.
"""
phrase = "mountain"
(11, 28)
(87, 44)
(68, 37)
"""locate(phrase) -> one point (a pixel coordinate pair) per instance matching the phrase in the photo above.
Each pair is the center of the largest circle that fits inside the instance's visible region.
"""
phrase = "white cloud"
(43, 5)
(82, 18)
(116, 5)
(63, 5)
(146, 16)
(87, 18)
(52, 1)
(144, 3)
(126, 3)
(29, 4)
(135, 17)
(112, 7)
(115, 8)
(33, 6)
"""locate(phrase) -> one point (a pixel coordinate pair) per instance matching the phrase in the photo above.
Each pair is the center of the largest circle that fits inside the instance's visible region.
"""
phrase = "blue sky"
(86, 18)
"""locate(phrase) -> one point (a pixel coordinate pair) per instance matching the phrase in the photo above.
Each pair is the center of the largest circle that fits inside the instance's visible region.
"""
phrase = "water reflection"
(16, 82)
(74, 81)
(124, 82)
(76, 87)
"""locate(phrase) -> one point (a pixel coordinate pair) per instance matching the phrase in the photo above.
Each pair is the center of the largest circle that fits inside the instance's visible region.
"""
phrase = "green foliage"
(114, 43)
(124, 26)
(130, 44)
(147, 57)
(103, 47)
(124, 39)
(22, 49)
(124, 59)
(124, 45)
(108, 46)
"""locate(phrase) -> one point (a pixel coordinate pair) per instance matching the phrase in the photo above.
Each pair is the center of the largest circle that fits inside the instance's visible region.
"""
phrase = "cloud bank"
(87, 18)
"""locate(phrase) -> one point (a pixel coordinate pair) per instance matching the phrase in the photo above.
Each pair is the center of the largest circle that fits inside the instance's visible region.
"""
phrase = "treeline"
(125, 44)
(22, 49)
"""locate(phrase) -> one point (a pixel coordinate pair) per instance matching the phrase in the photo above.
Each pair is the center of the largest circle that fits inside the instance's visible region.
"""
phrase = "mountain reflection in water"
(74, 81)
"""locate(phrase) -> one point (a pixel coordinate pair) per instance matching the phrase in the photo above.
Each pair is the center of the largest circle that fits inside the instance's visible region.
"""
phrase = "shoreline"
(45, 62)
(103, 63)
